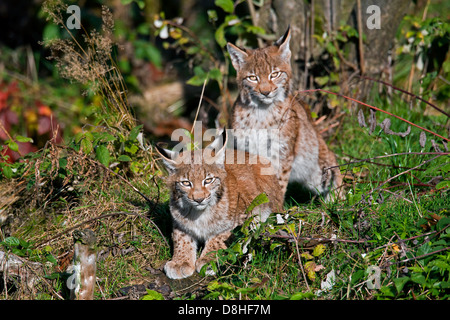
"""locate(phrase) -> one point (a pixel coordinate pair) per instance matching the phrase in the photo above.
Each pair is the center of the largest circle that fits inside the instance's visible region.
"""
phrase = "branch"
(387, 156)
(375, 108)
(408, 93)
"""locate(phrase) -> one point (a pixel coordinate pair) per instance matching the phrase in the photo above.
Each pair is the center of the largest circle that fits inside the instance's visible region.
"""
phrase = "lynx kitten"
(208, 199)
(265, 101)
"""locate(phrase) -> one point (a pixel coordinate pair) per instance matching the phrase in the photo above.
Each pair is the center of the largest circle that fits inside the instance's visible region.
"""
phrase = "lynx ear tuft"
(237, 55)
(283, 44)
(218, 146)
(168, 157)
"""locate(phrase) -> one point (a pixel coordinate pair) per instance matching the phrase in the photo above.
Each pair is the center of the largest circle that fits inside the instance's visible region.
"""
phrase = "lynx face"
(198, 188)
(263, 75)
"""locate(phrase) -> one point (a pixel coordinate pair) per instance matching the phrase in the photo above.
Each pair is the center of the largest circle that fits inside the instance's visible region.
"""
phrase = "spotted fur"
(208, 200)
(265, 101)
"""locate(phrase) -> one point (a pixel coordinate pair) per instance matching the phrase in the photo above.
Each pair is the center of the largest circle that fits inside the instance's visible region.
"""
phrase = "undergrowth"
(389, 239)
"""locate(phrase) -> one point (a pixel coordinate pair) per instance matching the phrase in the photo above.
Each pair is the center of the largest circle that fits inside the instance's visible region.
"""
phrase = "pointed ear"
(218, 145)
(168, 157)
(283, 44)
(237, 55)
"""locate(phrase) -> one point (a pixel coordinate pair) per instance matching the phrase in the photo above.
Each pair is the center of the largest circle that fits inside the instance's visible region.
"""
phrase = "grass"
(394, 221)
(397, 226)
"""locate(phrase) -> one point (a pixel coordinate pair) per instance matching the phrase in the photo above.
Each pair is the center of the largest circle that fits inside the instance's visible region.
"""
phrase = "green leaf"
(131, 148)
(255, 30)
(307, 256)
(226, 5)
(12, 145)
(357, 276)
(199, 77)
(51, 32)
(215, 74)
(219, 35)
(418, 278)
(212, 15)
(302, 296)
(321, 81)
(86, 146)
(134, 132)
(443, 222)
(259, 200)
(443, 184)
(318, 250)
(51, 258)
(12, 242)
(124, 158)
(62, 162)
(400, 283)
(7, 172)
(24, 139)
(102, 154)
(152, 295)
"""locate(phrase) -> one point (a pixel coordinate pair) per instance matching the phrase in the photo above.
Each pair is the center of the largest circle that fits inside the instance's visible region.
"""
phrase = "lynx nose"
(199, 200)
(265, 93)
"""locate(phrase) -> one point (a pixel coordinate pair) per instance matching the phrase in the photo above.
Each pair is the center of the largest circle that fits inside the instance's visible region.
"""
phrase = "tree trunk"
(325, 16)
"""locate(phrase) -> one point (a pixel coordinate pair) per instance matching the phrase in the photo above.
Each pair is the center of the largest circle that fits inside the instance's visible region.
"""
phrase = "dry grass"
(89, 60)
(46, 211)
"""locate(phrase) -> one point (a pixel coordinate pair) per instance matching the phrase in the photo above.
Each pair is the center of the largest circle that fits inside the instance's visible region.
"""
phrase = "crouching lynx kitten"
(209, 199)
(265, 101)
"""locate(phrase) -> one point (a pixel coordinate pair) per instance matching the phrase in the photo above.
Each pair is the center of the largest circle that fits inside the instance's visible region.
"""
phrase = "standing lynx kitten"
(265, 101)
(208, 199)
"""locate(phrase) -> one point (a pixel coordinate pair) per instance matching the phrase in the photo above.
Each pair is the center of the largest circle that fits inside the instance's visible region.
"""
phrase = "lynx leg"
(213, 244)
(182, 264)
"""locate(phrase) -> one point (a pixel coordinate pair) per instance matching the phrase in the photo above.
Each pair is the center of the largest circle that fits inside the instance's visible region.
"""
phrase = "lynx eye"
(275, 74)
(185, 183)
(208, 181)
(252, 78)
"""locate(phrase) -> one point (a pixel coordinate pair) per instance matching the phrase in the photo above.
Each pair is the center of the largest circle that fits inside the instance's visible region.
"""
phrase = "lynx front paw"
(178, 270)
(199, 265)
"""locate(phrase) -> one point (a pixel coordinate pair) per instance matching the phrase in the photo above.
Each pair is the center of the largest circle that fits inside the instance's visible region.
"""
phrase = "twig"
(199, 103)
(418, 257)
(300, 261)
(404, 91)
(397, 195)
(387, 156)
(102, 217)
(378, 109)
(314, 239)
(401, 173)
